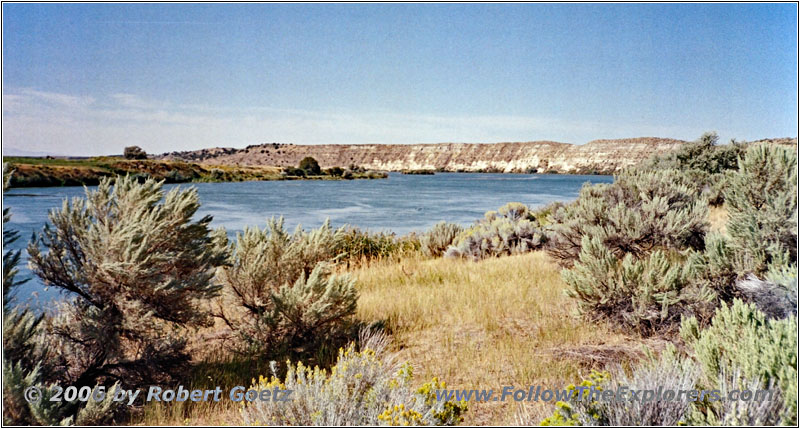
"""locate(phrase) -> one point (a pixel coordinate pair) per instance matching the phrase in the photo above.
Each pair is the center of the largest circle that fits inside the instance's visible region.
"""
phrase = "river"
(401, 203)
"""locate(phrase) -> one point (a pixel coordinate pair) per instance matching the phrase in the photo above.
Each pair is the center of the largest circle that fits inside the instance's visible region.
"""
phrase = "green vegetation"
(420, 172)
(363, 388)
(30, 172)
(134, 152)
(648, 294)
(637, 214)
(510, 230)
(279, 294)
(705, 163)
(436, 241)
(356, 246)
(762, 204)
(310, 166)
(742, 347)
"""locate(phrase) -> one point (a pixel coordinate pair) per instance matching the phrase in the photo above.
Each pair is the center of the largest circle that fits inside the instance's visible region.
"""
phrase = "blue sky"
(89, 79)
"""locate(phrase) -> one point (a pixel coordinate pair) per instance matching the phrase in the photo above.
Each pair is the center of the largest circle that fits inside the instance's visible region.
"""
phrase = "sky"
(90, 79)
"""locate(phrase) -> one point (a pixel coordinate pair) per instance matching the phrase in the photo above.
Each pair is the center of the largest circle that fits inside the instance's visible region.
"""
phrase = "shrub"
(739, 350)
(761, 233)
(294, 171)
(761, 199)
(20, 328)
(371, 174)
(649, 294)
(578, 409)
(638, 213)
(10, 257)
(669, 372)
(279, 293)
(740, 341)
(335, 171)
(310, 166)
(766, 410)
(135, 267)
(512, 229)
(47, 413)
(175, 176)
(436, 241)
(356, 246)
(364, 388)
(705, 163)
(134, 152)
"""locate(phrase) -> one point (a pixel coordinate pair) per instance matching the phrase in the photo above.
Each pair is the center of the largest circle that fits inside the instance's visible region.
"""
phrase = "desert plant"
(372, 174)
(512, 229)
(22, 356)
(766, 410)
(741, 341)
(294, 171)
(436, 241)
(10, 257)
(135, 266)
(761, 198)
(366, 387)
(648, 294)
(356, 246)
(20, 327)
(335, 171)
(637, 214)
(310, 166)
(279, 293)
(705, 162)
(134, 152)
(579, 409)
(670, 371)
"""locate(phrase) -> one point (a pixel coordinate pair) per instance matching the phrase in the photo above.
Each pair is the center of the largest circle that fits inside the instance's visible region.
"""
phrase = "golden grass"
(474, 325)
(484, 325)
(718, 216)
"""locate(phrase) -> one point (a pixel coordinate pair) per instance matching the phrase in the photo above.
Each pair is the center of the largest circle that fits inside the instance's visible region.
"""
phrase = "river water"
(401, 203)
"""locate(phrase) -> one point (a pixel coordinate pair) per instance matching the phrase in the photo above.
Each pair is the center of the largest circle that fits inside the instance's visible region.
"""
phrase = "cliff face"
(598, 156)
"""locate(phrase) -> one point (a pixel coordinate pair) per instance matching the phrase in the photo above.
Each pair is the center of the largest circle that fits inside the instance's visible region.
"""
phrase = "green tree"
(134, 152)
(310, 166)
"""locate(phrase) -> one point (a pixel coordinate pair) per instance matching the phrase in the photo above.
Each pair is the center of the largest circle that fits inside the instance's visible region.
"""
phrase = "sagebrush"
(365, 387)
(512, 229)
(279, 292)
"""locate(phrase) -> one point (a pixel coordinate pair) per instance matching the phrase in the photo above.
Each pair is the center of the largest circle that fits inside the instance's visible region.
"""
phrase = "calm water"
(401, 203)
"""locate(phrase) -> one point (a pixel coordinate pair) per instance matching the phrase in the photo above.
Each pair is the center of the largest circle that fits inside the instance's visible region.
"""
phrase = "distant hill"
(598, 156)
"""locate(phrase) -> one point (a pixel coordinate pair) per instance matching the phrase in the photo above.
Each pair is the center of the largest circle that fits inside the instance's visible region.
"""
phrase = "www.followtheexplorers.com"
(592, 393)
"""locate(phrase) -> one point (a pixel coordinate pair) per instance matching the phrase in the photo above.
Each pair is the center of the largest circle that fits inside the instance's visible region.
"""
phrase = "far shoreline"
(54, 172)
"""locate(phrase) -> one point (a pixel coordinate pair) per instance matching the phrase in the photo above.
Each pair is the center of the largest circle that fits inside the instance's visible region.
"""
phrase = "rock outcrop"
(595, 157)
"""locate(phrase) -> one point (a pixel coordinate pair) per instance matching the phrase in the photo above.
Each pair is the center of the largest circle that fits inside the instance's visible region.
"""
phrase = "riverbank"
(45, 172)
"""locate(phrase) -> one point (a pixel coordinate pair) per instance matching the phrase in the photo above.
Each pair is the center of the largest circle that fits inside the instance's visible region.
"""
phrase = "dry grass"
(484, 325)
(718, 216)
(489, 324)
